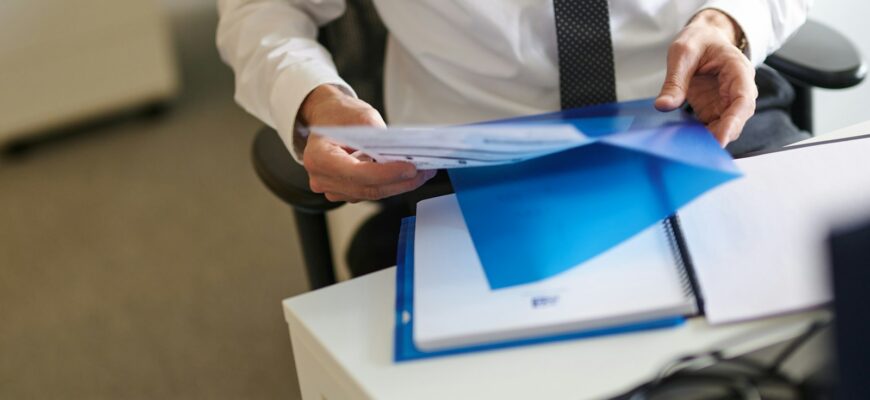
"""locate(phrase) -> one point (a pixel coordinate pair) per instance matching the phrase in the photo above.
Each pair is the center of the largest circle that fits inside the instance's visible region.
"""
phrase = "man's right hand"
(332, 170)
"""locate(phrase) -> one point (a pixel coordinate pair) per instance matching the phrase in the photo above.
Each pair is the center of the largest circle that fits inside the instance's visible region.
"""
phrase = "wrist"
(722, 23)
(317, 96)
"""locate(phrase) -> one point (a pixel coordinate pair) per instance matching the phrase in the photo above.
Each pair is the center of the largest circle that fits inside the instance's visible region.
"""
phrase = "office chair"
(816, 56)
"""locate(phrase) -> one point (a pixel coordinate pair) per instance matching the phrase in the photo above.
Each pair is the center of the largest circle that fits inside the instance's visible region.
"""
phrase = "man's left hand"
(706, 68)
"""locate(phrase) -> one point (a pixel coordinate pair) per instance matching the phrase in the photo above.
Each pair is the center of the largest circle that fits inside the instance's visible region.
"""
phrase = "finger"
(372, 173)
(707, 112)
(682, 63)
(358, 175)
(336, 197)
(328, 159)
(705, 105)
(376, 192)
(380, 192)
(734, 119)
(742, 92)
(715, 129)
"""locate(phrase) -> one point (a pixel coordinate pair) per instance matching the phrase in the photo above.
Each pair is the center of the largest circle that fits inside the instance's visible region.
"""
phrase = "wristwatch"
(742, 43)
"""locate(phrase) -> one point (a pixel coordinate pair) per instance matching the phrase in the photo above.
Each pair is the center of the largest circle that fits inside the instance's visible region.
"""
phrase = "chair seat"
(284, 176)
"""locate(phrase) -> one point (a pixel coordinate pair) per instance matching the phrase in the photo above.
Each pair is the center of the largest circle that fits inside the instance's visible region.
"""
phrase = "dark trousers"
(374, 245)
(771, 126)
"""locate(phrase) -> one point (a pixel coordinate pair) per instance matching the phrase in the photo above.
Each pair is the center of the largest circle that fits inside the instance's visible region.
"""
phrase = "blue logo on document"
(544, 301)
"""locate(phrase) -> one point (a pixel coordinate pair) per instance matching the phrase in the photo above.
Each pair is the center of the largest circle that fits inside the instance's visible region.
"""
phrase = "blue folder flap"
(593, 127)
(534, 219)
(404, 348)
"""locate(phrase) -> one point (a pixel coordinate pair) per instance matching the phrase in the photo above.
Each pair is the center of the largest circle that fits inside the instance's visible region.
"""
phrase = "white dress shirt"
(461, 61)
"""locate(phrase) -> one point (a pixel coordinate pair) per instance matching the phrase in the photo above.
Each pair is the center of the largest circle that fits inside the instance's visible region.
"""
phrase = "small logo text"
(544, 301)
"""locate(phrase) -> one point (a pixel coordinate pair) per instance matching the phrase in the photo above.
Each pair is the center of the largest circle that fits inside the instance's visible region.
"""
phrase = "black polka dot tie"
(586, 74)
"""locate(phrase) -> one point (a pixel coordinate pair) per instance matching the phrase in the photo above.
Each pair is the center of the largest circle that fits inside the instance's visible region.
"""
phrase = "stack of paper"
(759, 245)
(502, 142)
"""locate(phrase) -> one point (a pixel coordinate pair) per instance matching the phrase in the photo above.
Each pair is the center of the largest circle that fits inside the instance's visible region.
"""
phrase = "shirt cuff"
(290, 90)
(753, 17)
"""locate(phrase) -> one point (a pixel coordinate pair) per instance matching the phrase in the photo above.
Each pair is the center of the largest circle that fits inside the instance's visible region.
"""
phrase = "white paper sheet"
(759, 243)
(456, 146)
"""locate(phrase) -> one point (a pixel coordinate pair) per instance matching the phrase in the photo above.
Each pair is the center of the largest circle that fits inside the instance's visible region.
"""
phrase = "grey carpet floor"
(144, 259)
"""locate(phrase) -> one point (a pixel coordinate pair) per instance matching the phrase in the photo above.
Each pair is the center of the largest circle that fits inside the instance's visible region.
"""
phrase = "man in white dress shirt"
(462, 61)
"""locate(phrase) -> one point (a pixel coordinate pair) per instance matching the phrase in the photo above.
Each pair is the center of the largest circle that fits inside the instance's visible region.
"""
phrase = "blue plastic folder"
(404, 348)
(534, 219)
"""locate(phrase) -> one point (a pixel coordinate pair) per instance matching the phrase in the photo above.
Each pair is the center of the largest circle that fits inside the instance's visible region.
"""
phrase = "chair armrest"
(284, 176)
(819, 56)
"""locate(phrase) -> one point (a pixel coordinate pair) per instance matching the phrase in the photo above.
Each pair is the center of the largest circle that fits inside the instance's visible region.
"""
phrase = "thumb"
(682, 64)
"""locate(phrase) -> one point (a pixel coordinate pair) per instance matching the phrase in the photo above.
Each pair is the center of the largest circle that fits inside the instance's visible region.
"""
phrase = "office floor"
(144, 259)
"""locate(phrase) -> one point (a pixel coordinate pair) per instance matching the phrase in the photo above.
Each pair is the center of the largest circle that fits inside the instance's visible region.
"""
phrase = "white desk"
(343, 336)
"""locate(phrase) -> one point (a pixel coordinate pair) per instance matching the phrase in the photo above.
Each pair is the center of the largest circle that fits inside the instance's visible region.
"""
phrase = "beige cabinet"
(65, 61)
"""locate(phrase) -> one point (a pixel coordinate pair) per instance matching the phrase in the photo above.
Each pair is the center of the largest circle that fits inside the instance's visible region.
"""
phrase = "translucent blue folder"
(534, 219)
(405, 348)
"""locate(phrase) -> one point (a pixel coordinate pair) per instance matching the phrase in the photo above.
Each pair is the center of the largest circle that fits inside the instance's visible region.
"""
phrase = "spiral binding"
(685, 278)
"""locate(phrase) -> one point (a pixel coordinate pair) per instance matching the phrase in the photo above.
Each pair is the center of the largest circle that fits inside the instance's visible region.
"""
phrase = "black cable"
(796, 344)
(739, 384)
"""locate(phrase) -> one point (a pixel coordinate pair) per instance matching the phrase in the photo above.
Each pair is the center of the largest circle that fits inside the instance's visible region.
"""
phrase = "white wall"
(839, 108)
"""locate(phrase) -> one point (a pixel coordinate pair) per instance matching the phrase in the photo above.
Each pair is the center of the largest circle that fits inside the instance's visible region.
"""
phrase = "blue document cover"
(534, 219)
(404, 347)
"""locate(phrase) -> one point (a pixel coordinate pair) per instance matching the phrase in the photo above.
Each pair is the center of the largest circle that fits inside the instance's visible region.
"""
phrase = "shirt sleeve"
(272, 47)
(766, 24)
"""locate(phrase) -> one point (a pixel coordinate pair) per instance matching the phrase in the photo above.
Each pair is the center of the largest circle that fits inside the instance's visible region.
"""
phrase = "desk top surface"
(350, 327)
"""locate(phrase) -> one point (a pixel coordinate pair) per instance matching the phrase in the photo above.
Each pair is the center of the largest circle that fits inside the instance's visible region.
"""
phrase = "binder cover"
(404, 347)
(537, 218)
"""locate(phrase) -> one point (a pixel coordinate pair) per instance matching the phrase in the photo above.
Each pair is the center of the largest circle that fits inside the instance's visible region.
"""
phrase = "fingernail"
(409, 173)
(664, 102)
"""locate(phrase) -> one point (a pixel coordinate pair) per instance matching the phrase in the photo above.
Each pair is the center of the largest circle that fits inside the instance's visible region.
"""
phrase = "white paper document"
(759, 244)
(457, 146)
